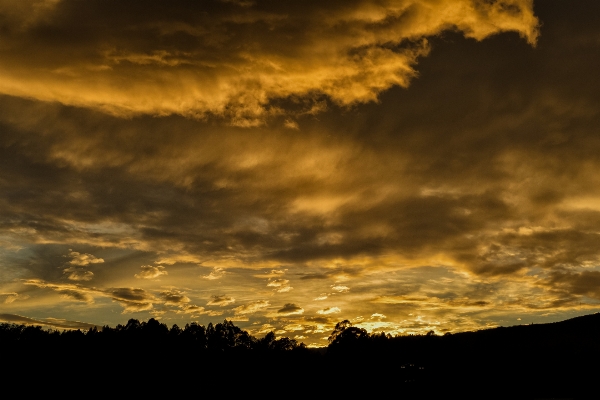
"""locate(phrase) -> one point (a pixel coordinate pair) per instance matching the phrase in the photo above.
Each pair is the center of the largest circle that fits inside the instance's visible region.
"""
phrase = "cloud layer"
(467, 199)
(227, 58)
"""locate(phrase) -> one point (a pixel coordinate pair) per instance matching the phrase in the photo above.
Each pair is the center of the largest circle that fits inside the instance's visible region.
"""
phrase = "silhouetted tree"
(195, 334)
(339, 328)
(346, 335)
(284, 344)
(266, 342)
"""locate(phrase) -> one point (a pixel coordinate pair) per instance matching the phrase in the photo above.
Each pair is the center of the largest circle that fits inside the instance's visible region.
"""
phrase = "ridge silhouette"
(527, 361)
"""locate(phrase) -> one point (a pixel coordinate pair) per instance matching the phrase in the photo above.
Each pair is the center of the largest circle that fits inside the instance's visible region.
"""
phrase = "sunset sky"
(408, 165)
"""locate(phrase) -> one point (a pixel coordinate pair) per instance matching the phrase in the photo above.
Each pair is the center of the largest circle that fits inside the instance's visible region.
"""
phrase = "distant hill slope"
(553, 360)
(585, 324)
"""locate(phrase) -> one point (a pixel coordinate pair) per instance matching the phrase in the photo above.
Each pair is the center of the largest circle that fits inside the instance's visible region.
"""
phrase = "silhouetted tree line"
(221, 337)
(547, 360)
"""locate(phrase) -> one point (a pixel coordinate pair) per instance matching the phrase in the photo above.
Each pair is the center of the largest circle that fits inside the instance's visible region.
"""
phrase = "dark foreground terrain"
(558, 360)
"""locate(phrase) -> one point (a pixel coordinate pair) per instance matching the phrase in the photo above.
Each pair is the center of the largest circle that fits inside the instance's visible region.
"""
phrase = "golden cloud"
(221, 58)
(220, 300)
(151, 272)
(251, 308)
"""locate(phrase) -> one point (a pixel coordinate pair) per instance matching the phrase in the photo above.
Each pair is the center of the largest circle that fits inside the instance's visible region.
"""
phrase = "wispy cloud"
(216, 273)
(340, 288)
(251, 308)
(329, 310)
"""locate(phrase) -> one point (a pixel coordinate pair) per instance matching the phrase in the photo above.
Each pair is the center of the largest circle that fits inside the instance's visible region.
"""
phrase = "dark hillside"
(528, 361)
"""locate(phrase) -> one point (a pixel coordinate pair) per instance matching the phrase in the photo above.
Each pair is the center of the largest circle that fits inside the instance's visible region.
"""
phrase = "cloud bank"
(229, 59)
(469, 199)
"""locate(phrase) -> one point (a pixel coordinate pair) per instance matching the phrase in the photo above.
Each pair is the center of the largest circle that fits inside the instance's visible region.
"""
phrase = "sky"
(408, 165)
